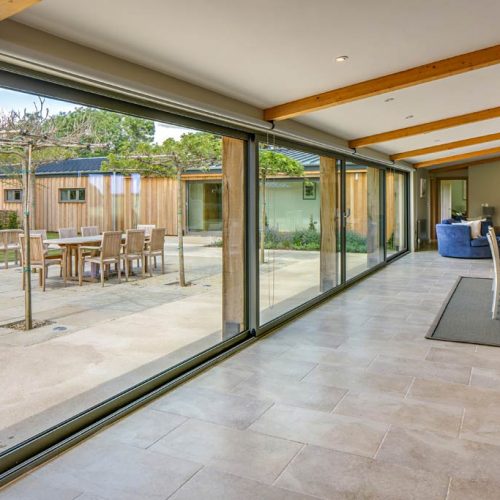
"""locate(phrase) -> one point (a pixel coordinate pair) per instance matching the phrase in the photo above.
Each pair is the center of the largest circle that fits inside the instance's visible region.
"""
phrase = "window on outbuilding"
(72, 195)
(13, 195)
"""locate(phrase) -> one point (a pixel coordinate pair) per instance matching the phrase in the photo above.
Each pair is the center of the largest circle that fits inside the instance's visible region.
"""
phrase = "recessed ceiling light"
(409, 117)
(389, 99)
(341, 58)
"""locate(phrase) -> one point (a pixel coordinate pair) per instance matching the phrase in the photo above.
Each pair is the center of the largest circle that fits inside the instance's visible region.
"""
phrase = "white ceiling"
(269, 52)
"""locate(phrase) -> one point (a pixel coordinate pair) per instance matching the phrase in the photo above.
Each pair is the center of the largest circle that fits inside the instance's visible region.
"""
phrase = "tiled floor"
(348, 402)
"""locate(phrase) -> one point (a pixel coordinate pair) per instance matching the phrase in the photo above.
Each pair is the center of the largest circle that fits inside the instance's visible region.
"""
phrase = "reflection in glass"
(395, 212)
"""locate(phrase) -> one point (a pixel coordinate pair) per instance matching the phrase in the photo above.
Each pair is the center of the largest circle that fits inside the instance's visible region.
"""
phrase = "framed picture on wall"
(309, 190)
(423, 188)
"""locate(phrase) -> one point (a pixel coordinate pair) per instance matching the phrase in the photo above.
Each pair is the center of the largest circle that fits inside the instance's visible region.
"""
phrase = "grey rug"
(466, 315)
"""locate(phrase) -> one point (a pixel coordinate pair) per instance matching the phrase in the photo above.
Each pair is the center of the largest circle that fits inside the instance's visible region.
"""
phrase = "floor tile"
(337, 432)
(212, 406)
(283, 390)
(341, 476)
(244, 453)
(402, 412)
(462, 489)
(212, 484)
(144, 427)
(482, 426)
(440, 454)
(358, 379)
(419, 368)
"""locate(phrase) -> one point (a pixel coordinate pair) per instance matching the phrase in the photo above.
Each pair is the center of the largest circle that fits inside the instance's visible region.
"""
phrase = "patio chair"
(492, 240)
(40, 260)
(147, 228)
(9, 241)
(133, 249)
(68, 232)
(90, 231)
(108, 253)
(156, 247)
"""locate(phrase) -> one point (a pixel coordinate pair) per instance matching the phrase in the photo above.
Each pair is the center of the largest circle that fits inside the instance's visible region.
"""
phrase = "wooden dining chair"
(133, 249)
(147, 228)
(156, 248)
(68, 232)
(108, 253)
(40, 260)
(495, 253)
(90, 231)
(9, 242)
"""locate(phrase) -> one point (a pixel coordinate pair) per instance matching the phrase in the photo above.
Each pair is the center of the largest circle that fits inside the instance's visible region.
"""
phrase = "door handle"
(347, 213)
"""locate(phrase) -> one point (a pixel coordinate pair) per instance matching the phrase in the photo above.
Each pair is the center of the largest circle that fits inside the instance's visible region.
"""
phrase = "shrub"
(355, 242)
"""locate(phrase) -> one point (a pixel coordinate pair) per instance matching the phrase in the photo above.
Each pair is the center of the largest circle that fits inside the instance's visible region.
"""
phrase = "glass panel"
(396, 204)
(364, 248)
(298, 217)
(94, 341)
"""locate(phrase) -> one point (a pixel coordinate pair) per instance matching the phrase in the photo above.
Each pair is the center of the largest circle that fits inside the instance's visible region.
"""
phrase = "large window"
(363, 202)
(298, 247)
(182, 280)
(396, 212)
(186, 296)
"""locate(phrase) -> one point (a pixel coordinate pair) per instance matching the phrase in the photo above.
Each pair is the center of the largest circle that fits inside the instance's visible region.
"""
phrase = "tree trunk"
(180, 228)
(32, 197)
(263, 222)
(27, 174)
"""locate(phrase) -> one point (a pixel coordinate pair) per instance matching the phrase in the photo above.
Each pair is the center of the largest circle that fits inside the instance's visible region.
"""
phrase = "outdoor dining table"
(73, 245)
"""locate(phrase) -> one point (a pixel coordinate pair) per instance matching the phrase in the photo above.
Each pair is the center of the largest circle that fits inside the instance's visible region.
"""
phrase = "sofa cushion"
(448, 221)
(482, 241)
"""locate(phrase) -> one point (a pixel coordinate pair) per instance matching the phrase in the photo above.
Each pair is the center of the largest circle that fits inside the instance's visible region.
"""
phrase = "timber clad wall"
(127, 201)
(133, 200)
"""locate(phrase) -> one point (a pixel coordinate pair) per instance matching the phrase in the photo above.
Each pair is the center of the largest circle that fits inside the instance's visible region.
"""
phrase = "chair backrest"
(42, 232)
(148, 228)
(9, 237)
(111, 244)
(492, 240)
(135, 240)
(37, 248)
(90, 231)
(68, 232)
(157, 239)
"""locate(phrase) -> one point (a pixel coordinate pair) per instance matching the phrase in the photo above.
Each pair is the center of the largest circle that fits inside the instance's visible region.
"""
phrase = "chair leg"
(127, 270)
(43, 274)
(156, 263)
(143, 266)
(102, 268)
(6, 258)
(150, 265)
(119, 269)
(163, 263)
(40, 277)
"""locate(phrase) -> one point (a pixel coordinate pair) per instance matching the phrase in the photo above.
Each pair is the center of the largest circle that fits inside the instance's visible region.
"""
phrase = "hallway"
(349, 401)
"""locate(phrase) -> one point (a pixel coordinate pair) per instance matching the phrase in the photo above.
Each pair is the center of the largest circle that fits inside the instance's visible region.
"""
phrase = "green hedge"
(9, 219)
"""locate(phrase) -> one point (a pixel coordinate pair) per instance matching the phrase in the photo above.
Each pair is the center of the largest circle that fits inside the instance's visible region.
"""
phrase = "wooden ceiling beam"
(425, 128)
(462, 166)
(408, 78)
(462, 156)
(446, 147)
(10, 8)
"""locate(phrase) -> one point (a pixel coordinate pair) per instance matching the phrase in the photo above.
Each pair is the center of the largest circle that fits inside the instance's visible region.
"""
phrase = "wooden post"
(233, 236)
(373, 243)
(328, 223)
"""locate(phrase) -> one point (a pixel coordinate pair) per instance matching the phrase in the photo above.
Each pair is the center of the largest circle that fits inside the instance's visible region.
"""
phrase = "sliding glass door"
(363, 218)
(396, 202)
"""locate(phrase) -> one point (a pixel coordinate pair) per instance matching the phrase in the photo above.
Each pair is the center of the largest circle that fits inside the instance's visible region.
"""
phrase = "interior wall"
(484, 187)
(421, 203)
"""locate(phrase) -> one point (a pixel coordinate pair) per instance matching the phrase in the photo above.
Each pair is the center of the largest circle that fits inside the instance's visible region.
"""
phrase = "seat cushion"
(482, 241)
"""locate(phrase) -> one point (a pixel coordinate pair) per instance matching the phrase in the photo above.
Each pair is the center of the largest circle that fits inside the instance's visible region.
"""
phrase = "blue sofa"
(454, 240)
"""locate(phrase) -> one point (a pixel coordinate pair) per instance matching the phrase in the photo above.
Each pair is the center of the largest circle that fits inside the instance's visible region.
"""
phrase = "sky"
(12, 100)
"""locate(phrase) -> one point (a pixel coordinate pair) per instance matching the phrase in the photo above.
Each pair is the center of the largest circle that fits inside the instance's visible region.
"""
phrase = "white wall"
(484, 187)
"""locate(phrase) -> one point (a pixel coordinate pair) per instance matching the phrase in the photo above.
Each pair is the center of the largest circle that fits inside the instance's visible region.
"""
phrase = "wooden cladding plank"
(9, 8)
(233, 236)
(403, 79)
(462, 156)
(425, 128)
(329, 272)
(446, 147)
